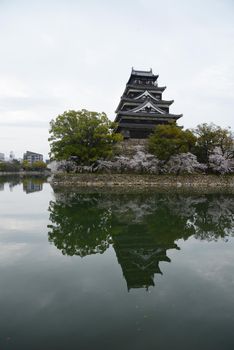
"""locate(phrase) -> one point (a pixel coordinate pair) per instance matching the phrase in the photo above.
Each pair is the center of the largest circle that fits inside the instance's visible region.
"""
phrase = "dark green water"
(115, 271)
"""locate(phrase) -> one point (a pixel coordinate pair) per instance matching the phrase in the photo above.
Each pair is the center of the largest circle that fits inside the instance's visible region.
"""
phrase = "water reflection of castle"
(139, 257)
(141, 229)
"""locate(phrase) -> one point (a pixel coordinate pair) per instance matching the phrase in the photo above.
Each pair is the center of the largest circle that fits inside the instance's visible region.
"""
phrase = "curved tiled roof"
(140, 101)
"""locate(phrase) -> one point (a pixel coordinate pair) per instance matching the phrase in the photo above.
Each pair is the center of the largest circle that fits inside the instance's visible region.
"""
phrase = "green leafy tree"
(210, 136)
(85, 135)
(26, 165)
(39, 165)
(168, 140)
(10, 166)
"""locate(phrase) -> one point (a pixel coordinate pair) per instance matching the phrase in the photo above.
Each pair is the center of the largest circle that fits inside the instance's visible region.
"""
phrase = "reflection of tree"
(78, 226)
(141, 227)
(211, 216)
(216, 220)
(12, 180)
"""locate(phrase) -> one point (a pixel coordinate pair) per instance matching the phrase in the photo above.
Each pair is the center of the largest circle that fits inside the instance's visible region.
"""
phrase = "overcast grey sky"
(57, 55)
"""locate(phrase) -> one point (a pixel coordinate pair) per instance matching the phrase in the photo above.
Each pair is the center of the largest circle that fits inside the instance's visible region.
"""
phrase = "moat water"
(110, 270)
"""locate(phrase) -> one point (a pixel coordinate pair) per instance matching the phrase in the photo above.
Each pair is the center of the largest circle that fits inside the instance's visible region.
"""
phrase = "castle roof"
(136, 102)
(141, 105)
(143, 74)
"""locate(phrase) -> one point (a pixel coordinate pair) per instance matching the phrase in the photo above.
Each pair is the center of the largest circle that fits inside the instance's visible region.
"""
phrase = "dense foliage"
(211, 137)
(169, 140)
(86, 136)
(13, 166)
(36, 166)
(16, 166)
(207, 148)
(82, 141)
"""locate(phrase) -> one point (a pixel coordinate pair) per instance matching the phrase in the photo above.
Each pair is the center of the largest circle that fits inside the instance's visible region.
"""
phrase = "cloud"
(60, 55)
(25, 124)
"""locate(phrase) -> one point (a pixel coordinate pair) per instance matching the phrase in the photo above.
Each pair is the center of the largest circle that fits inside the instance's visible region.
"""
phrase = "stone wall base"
(129, 147)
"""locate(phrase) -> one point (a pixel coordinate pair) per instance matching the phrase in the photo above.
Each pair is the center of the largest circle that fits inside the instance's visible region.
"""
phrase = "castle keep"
(142, 107)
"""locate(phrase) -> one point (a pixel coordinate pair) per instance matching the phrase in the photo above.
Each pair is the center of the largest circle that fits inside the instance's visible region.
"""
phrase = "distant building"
(33, 157)
(2, 156)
